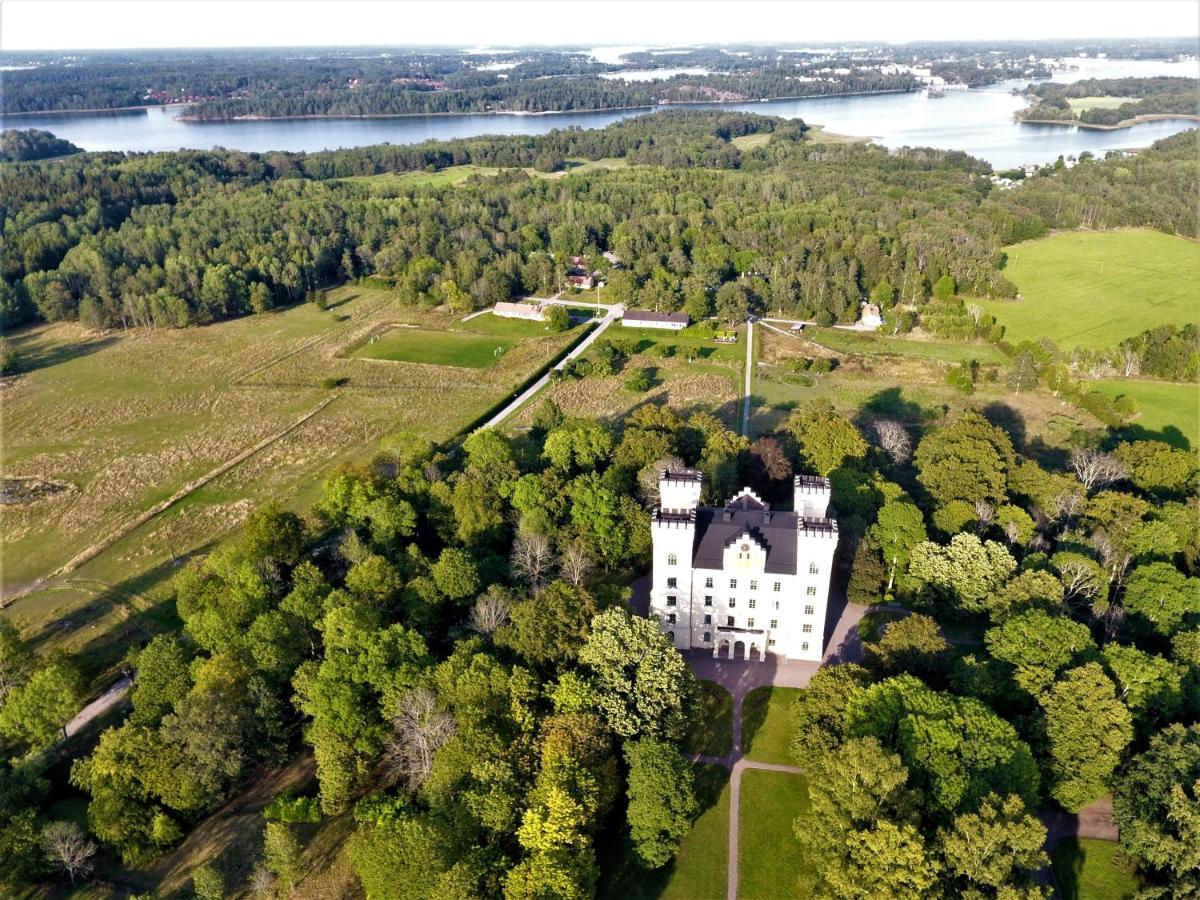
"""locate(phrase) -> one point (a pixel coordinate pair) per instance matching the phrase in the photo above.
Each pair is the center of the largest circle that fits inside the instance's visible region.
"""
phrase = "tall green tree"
(661, 801)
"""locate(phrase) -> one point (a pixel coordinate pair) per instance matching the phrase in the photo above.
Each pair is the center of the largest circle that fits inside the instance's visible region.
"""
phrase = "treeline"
(1147, 96)
(191, 237)
(28, 145)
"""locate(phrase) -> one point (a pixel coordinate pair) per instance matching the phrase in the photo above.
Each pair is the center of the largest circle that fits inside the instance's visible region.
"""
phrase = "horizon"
(61, 26)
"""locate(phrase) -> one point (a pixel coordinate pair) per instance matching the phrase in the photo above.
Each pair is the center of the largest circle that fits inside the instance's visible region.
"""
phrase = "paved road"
(98, 707)
(533, 389)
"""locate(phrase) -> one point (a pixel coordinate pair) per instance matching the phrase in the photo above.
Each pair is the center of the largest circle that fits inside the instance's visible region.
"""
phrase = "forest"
(1128, 98)
(24, 146)
(172, 239)
(446, 631)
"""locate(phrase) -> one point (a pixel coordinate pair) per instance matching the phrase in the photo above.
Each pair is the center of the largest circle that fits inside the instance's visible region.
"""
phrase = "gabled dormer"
(746, 552)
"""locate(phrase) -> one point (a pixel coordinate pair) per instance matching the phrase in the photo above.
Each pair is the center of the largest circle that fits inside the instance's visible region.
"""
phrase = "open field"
(1090, 869)
(1095, 289)
(750, 141)
(700, 868)
(767, 724)
(477, 344)
(1166, 411)
(711, 382)
(908, 387)
(818, 135)
(883, 345)
(710, 731)
(1079, 104)
(123, 421)
(770, 866)
(392, 183)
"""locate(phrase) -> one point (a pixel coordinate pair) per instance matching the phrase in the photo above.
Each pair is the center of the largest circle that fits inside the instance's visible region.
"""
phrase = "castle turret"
(679, 490)
(811, 496)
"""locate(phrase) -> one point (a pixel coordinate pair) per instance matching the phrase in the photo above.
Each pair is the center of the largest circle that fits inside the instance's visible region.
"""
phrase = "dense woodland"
(24, 146)
(172, 239)
(1147, 96)
(440, 632)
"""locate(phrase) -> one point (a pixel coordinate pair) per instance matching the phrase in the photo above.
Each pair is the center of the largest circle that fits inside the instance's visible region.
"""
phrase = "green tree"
(944, 288)
(997, 847)
(1033, 588)
(818, 713)
(1087, 728)
(1162, 597)
(968, 460)
(966, 572)
(35, 712)
(163, 678)
(1158, 467)
(260, 297)
(577, 444)
(557, 318)
(281, 855)
(1156, 807)
(643, 685)
(16, 659)
(898, 528)
(1038, 646)
(1023, 376)
(207, 883)
(551, 627)
(456, 574)
(661, 801)
(826, 439)
(867, 575)
(1151, 686)
(912, 644)
(9, 361)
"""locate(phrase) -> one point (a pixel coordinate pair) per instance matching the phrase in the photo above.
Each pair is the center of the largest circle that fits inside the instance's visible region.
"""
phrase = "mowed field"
(1170, 412)
(1095, 289)
(120, 422)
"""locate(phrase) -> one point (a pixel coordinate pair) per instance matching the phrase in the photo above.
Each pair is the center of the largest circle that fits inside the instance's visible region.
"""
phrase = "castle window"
(777, 604)
(774, 623)
(670, 601)
(804, 646)
(778, 587)
(670, 618)
(732, 602)
(753, 585)
(708, 599)
(753, 603)
(707, 637)
(708, 620)
(729, 621)
(811, 590)
(671, 635)
(808, 610)
(770, 642)
(813, 569)
(732, 583)
(708, 581)
(672, 559)
(672, 582)
(807, 628)
(749, 623)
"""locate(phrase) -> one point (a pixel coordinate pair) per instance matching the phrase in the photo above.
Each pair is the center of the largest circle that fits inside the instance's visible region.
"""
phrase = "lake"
(978, 121)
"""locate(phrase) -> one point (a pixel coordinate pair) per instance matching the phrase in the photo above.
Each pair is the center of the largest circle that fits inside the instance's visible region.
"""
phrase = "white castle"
(742, 580)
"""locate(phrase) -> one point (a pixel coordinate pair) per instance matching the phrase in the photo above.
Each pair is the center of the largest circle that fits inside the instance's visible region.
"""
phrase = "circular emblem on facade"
(745, 547)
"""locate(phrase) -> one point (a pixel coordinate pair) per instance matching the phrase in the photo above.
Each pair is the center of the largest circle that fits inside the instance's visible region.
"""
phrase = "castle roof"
(774, 531)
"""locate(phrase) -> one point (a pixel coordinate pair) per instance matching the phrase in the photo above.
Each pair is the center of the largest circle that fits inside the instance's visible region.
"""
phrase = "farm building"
(583, 282)
(871, 317)
(533, 312)
(644, 318)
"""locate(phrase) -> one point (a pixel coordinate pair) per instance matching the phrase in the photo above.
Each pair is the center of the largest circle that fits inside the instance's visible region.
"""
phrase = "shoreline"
(1124, 123)
(201, 120)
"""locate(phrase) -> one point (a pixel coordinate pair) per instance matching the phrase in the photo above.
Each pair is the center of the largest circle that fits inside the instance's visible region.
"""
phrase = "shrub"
(639, 382)
(961, 379)
(328, 384)
(286, 808)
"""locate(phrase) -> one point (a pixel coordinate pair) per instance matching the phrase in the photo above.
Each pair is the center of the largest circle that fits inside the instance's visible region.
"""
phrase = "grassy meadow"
(1091, 869)
(1079, 104)
(710, 730)
(770, 866)
(1095, 289)
(1166, 411)
(120, 422)
(767, 724)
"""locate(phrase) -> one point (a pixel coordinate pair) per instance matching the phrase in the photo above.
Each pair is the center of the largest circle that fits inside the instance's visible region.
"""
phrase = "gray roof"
(646, 315)
(716, 529)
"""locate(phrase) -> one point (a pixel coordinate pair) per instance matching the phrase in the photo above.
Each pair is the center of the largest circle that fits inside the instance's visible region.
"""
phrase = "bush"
(8, 358)
(328, 384)
(207, 883)
(557, 318)
(639, 382)
(821, 365)
(961, 379)
(286, 808)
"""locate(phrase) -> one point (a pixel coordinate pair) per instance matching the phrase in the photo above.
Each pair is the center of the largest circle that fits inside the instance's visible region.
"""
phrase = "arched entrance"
(755, 653)
(739, 650)
(721, 650)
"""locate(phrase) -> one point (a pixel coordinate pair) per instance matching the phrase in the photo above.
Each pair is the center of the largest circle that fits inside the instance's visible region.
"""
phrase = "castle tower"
(673, 530)
(811, 496)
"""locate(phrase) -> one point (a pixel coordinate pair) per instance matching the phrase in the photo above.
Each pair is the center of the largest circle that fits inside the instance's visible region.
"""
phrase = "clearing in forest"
(1093, 289)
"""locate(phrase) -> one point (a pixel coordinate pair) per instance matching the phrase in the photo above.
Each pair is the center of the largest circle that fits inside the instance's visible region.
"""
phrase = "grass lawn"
(699, 870)
(879, 344)
(870, 625)
(710, 731)
(767, 724)
(651, 341)
(1095, 289)
(770, 865)
(1079, 104)
(1090, 869)
(818, 135)
(1169, 412)
(750, 141)
(437, 348)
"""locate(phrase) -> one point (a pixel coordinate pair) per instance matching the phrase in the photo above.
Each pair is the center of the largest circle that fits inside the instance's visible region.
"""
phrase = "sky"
(108, 24)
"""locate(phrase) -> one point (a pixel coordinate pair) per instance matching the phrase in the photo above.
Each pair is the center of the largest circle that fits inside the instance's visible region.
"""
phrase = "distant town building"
(583, 282)
(534, 312)
(613, 259)
(871, 317)
(644, 318)
(742, 580)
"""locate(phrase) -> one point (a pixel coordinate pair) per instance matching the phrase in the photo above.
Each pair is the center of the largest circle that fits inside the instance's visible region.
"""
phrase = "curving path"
(98, 707)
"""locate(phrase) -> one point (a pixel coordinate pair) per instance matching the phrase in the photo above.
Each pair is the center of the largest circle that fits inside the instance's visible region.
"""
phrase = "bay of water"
(977, 121)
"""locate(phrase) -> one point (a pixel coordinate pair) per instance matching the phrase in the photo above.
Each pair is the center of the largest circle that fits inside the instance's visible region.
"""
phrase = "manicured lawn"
(770, 865)
(942, 351)
(711, 729)
(750, 141)
(651, 340)
(1090, 869)
(767, 724)
(1095, 289)
(699, 870)
(870, 626)
(436, 348)
(1079, 104)
(1169, 412)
